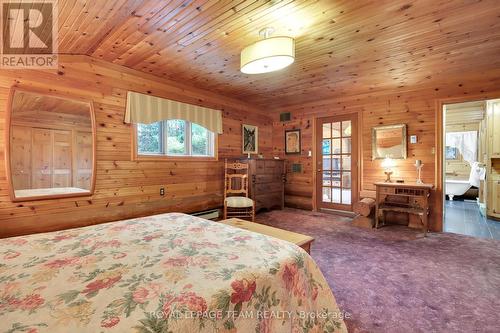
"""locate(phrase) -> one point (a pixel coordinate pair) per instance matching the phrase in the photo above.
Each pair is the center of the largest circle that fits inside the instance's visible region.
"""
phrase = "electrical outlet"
(162, 191)
(413, 139)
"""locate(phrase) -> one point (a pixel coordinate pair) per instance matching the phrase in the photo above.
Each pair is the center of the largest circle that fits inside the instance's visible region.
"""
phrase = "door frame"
(439, 175)
(358, 152)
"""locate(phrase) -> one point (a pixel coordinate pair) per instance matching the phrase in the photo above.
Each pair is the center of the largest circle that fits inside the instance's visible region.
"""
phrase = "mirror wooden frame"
(404, 153)
(8, 121)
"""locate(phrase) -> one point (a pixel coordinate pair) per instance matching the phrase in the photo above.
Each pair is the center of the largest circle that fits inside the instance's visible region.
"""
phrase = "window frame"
(213, 143)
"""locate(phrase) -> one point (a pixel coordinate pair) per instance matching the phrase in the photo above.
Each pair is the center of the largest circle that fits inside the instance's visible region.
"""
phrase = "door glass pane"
(346, 162)
(336, 146)
(327, 131)
(327, 178)
(336, 130)
(346, 188)
(346, 128)
(346, 196)
(346, 145)
(346, 180)
(336, 162)
(336, 179)
(327, 194)
(327, 147)
(176, 132)
(327, 162)
(336, 195)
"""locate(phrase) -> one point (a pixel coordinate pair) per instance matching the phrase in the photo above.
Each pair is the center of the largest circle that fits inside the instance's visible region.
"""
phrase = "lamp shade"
(268, 55)
(388, 163)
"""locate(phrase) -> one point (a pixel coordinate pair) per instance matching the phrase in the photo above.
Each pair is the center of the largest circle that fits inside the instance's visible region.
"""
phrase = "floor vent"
(212, 214)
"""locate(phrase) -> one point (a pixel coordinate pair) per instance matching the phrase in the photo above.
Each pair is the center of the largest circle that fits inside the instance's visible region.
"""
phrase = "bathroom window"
(452, 153)
(462, 146)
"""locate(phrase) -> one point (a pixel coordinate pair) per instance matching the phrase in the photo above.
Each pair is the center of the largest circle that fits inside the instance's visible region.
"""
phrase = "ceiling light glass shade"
(268, 55)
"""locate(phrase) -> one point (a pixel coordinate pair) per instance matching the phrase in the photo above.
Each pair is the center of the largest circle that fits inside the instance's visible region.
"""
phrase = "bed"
(163, 273)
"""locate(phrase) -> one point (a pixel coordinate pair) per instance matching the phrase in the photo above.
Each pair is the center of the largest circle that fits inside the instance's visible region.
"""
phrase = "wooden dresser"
(409, 198)
(267, 182)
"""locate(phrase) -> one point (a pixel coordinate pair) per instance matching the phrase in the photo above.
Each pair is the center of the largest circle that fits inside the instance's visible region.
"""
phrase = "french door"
(336, 162)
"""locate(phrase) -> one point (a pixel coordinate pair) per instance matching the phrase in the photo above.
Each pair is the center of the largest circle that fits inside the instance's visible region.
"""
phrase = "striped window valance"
(146, 109)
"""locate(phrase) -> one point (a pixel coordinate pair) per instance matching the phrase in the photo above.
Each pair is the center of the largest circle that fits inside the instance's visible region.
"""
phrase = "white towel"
(477, 174)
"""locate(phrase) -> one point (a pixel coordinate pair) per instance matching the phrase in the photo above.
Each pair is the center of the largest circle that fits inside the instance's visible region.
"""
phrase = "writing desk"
(410, 198)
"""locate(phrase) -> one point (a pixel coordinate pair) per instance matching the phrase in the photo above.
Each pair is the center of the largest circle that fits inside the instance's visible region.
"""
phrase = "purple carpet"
(393, 280)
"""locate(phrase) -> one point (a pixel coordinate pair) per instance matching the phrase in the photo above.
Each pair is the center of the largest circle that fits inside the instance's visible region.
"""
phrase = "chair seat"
(239, 202)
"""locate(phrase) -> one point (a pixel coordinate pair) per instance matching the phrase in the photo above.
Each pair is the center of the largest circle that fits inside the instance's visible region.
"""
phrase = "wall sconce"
(388, 163)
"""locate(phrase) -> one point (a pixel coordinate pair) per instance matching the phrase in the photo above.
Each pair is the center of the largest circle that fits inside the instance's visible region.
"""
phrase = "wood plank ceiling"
(27, 102)
(343, 47)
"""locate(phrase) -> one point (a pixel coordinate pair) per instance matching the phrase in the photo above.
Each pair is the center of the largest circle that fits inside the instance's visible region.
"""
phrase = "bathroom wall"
(464, 117)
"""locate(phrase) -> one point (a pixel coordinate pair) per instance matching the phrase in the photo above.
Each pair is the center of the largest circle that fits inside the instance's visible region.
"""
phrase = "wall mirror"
(389, 141)
(51, 146)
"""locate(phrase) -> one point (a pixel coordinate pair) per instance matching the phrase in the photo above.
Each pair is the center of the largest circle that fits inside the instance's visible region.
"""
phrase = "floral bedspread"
(163, 273)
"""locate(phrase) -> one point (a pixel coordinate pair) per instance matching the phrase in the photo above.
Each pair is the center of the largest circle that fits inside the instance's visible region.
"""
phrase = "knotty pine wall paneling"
(124, 188)
(416, 108)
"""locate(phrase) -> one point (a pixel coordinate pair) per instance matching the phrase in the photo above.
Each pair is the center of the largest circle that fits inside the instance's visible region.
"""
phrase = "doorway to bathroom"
(471, 168)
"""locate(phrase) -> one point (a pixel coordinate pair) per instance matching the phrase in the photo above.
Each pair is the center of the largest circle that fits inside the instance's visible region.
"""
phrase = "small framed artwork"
(292, 141)
(250, 139)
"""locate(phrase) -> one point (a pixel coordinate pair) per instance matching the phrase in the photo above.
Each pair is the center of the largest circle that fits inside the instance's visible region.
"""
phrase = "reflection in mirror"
(389, 141)
(51, 146)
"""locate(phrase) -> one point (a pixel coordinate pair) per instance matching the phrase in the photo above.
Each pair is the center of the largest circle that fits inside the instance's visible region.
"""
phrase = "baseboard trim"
(337, 212)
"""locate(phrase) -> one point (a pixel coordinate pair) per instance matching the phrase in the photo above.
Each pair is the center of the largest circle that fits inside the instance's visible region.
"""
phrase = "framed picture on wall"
(250, 139)
(292, 141)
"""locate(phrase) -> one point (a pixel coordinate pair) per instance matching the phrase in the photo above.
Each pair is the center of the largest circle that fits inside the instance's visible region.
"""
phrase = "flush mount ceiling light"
(268, 54)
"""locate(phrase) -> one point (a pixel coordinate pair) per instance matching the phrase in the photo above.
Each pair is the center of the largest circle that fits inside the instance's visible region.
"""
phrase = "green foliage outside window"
(151, 138)
(176, 130)
(199, 140)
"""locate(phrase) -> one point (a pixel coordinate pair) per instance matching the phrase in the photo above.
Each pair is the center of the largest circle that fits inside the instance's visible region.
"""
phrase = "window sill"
(168, 158)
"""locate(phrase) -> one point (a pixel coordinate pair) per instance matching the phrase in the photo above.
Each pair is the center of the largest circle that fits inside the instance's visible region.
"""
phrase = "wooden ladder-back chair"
(236, 200)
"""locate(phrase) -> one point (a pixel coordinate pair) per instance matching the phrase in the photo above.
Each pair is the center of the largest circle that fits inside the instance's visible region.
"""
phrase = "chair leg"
(253, 213)
(225, 211)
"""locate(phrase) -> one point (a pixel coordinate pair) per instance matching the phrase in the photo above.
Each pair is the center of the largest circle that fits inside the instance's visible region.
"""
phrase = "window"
(175, 138)
(452, 153)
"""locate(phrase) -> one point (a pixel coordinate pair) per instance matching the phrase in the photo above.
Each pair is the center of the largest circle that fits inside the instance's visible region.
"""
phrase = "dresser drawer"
(273, 166)
(387, 190)
(269, 167)
(264, 179)
(259, 166)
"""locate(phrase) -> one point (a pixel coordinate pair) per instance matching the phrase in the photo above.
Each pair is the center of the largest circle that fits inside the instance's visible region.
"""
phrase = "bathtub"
(456, 187)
